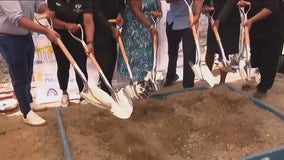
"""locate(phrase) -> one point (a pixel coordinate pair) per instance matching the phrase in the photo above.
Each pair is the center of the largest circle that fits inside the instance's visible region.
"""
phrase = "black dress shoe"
(169, 82)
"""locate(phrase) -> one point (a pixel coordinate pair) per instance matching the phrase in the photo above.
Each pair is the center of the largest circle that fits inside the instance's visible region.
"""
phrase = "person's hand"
(115, 33)
(49, 14)
(153, 32)
(208, 10)
(216, 24)
(119, 20)
(248, 24)
(89, 49)
(158, 14)
(53, 36)
(72, 27)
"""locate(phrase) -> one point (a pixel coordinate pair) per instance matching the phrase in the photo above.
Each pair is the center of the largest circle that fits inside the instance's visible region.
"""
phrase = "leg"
(107, 60)
(174, 38)
(189, 55)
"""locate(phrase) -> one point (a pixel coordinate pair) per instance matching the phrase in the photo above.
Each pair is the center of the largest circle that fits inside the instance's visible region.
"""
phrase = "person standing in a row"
(137, 34)
(266, 24)
(106, 35)
(227, 20)
(178, 29)
(17, 48)
(68, 14)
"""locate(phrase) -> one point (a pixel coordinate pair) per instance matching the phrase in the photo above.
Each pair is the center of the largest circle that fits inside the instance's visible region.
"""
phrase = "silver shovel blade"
(203, 73)
(155, 82)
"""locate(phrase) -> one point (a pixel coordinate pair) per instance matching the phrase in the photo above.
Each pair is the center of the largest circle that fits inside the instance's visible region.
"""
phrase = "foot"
(33, 119)
(37, 108)
(259, 94)
(65, 100)
(170, 82)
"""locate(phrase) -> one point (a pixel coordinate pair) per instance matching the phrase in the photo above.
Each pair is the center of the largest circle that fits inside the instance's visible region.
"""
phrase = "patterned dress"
(138, 42)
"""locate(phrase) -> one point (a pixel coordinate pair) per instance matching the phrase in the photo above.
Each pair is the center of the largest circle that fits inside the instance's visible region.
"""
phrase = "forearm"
(89, 28)
(261, 15)
(198, 4)
(30, 25)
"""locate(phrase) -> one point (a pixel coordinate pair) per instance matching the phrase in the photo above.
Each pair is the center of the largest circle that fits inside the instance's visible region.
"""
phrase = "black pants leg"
(265, 55)
(174, 38)
(189, 50)
(106, 58)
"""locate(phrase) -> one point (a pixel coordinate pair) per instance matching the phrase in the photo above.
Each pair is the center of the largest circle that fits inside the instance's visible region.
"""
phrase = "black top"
(104, 10)
(273, 25)
(226, 11)
(71, 12)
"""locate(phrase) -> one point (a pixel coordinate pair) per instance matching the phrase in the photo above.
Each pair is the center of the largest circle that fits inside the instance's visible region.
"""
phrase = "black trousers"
(265, 54)
(189, 50)
(106, 56)
(63, 65)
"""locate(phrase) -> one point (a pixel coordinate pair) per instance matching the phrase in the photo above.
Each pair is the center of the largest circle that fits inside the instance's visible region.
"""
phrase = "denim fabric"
(18, 51)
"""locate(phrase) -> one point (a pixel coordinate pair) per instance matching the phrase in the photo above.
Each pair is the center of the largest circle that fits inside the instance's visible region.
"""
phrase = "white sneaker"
(33, 119)
(36, 107)
(65, 100)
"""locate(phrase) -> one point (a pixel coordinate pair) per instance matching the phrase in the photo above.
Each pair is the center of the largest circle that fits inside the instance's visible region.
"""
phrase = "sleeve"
(88, 6)
(13, 11)
(227, 8)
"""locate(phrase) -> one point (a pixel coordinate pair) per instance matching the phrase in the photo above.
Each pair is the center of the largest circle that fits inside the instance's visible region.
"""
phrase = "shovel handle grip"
(112, 20)
(41, 16)
(243, 3)
(122, 49)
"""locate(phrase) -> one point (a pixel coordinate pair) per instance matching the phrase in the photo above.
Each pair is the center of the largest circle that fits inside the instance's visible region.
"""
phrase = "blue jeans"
(18, 51)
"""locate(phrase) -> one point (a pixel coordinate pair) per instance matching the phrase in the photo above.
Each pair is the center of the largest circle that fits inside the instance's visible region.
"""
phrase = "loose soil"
(213, 124)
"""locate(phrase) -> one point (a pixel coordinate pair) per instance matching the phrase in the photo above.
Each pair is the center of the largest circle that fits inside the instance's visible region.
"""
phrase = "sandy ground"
(216, 124)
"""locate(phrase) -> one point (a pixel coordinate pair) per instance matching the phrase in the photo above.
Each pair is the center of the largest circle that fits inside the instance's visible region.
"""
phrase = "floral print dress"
(138, 42)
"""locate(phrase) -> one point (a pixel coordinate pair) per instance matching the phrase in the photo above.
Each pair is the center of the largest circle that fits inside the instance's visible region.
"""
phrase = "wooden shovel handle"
(122, 49)
(247, 38)
(193, 27)
(155, 42)
(112, 20)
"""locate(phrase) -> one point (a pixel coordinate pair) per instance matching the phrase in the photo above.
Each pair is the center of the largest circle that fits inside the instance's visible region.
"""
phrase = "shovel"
(155, 79)
(201, 71)
(97, 97)
(225, 65)
(135, 90)
(122, 105)
(245, 64)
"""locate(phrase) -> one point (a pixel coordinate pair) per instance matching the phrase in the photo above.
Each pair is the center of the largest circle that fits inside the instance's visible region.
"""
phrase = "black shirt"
(71, 12)
(273, 25)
